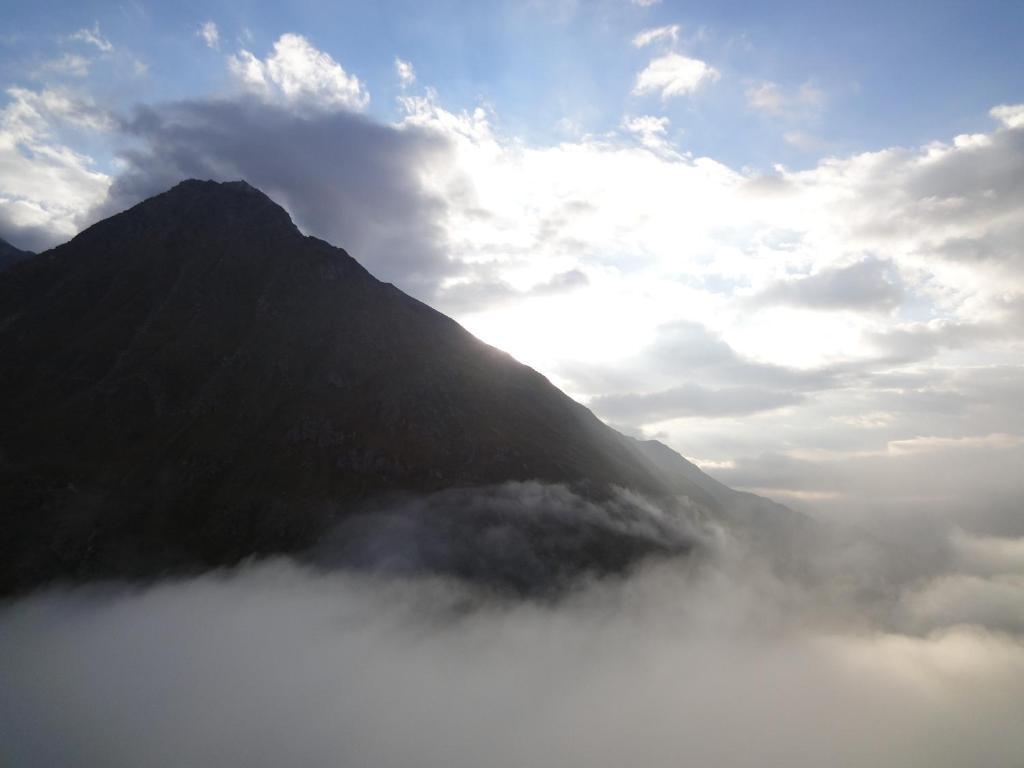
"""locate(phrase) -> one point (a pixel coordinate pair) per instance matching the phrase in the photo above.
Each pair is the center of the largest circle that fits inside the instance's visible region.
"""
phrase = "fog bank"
(687, 661)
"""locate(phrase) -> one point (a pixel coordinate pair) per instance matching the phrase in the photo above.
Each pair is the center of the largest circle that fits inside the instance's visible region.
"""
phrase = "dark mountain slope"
(10, 255)
(195, 380)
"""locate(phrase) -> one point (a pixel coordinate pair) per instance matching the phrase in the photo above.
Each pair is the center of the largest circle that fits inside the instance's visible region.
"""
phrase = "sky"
(784, 238)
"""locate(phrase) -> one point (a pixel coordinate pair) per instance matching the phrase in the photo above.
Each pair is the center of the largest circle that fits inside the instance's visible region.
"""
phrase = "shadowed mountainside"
(193, 381)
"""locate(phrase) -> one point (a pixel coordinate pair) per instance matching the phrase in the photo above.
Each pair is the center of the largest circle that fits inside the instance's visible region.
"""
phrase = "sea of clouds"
(878, 655)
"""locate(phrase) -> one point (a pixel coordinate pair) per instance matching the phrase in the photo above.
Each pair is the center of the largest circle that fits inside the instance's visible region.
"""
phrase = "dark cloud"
(343, 177)
(871, 284)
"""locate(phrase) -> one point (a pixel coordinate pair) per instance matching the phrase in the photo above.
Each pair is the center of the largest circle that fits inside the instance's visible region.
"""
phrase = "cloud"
(1010, 115)
(69, 64)
(685, 351)
(870, 284)
(45, 185)
(93, 37)
(690, 400)
(405, 73)
(298, 74)
(674, 75)
(668, 33)
(469, 293)
(967, 481)
(987, 555)
(766, 96)
(803, 141)
(722, 659)
(209, 33)
(650, 130)
(772, 98)
(994, 602)
(645, 3)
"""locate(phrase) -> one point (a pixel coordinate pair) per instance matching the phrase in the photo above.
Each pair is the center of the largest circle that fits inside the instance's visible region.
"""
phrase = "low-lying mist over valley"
(868, 656)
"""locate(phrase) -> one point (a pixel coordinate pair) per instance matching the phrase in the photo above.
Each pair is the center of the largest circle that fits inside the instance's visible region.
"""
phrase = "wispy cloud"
(69, 64)
(92, 36)
(772, 98)
(674, 75)
(405, 73)
(210, 34)
(668, 34)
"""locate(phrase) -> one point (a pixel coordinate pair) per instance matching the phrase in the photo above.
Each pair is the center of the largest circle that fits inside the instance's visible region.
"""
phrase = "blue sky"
(890, 73)
(785, 237)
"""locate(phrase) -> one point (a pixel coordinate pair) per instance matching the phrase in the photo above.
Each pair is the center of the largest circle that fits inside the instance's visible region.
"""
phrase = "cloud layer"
(720, 660)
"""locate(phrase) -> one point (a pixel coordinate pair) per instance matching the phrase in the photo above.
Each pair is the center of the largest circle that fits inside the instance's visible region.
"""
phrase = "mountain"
(193, 381)
(10, 255)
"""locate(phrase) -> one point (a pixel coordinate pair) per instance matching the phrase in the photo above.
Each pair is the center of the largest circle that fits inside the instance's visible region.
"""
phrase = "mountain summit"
(193, 381)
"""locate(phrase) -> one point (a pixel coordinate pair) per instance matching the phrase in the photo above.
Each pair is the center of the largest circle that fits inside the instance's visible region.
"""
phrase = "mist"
(717, 656)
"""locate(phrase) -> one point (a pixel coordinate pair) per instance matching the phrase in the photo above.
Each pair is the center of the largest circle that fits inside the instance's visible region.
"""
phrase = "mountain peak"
(219, 188)
(201, 210)
(194, 381)
(235, 198)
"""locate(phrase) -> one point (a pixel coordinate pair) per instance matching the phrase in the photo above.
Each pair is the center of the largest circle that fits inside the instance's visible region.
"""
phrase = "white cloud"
(718, 660)
(299, 74)
(674, 75)
(45, 186)
(645, 3)
(1010, 115)
(93, 37)
(917, 251)
(210, 34)
(669, 33)
(649, 129)
(405, 73)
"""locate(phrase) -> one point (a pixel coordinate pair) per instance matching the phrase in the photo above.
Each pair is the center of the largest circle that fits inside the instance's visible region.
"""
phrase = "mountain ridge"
(193, 380)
